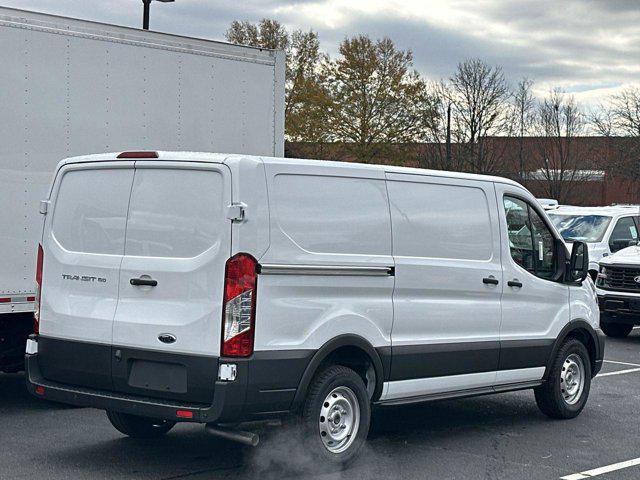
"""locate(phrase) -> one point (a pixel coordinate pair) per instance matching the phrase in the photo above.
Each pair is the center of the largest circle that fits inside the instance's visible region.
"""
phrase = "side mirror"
(561, 255)
(579, 263)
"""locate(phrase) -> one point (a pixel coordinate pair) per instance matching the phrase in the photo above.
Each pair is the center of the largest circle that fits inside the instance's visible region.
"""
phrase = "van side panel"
(446, 246)
(329, 218)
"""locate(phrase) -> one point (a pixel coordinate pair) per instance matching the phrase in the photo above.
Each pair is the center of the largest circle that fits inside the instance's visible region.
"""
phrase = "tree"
(562, 162)
(524, 106)
(619, 122)
(379, 103)
(306, 102)
(625, 110)
(479, 96)
(266, 34)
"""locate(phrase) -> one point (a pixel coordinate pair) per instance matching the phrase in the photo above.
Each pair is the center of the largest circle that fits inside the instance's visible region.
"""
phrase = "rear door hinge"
(236, 212)
(44, 206)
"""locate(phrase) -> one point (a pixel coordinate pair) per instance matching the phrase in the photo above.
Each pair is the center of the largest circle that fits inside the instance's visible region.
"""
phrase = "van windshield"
(581, 228)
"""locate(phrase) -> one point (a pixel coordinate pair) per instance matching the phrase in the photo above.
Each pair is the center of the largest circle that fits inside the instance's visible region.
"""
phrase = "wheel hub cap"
(572, 379)
(339, 419)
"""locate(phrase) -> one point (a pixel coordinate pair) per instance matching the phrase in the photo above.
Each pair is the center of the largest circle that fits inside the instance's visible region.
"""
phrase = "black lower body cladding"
(153, 383)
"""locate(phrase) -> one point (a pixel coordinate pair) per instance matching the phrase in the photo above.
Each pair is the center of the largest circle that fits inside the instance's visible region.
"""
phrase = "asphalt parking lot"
(494, 437)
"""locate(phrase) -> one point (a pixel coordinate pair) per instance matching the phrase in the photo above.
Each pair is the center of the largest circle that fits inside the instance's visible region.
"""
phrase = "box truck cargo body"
(70, 87)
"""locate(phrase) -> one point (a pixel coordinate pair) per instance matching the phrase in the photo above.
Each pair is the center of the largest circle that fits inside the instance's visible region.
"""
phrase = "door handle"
(147, 282)
(490, 281)
(514, 283)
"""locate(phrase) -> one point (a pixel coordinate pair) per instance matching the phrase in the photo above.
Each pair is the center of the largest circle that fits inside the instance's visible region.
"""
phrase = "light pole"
(145, 13)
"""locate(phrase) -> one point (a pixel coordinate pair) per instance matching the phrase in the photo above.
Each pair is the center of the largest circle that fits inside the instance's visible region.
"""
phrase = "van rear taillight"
(239, 306)
(36, 312)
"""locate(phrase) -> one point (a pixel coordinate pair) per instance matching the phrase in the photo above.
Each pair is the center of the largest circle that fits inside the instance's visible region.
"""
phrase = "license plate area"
(163, 375)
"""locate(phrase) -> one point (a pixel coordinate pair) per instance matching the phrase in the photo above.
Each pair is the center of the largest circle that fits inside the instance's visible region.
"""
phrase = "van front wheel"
(566, 390)
(139, 427)
(336, 415)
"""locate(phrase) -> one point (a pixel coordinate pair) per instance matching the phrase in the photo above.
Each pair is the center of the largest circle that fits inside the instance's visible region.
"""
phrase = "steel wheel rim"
(572, 379)
(339, 419)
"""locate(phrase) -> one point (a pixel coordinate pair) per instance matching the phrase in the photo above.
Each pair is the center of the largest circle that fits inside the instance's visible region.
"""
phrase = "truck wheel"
(139, 427)
(565, 392)
(616, 330)
(336, 415)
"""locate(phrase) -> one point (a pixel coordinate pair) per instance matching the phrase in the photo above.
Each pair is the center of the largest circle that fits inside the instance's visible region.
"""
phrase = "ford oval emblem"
(167, 338)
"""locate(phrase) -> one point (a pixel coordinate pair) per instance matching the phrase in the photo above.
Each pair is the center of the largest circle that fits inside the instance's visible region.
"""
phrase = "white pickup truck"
(618, 289)
(605, 230)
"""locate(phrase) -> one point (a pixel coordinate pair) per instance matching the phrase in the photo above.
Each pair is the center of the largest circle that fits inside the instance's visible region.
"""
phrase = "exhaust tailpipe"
(240, 436)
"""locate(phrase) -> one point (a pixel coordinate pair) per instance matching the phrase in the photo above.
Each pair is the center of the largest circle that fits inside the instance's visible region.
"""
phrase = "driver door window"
(624, 234)
(530, 241)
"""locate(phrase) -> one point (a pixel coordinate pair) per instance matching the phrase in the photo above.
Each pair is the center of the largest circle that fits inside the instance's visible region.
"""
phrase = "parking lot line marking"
(602, 470)
(622, 363)
(619, 372)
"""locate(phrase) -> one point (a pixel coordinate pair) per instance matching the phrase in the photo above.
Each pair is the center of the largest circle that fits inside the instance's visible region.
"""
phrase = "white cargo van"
(218, 289)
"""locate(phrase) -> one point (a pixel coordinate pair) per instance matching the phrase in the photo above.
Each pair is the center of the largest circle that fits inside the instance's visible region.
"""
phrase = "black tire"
(550, 397)
(139, 427)
(324, 383)
(616, 330)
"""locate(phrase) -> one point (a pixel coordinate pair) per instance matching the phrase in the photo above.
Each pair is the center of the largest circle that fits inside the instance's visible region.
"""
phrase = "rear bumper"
(135, 405)
(265, 384)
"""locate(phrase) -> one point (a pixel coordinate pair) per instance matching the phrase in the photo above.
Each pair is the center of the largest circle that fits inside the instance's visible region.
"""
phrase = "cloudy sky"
(590, 48)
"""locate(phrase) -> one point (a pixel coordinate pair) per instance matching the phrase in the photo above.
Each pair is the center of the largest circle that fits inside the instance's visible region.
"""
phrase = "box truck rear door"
(83, 245)
(166, 332)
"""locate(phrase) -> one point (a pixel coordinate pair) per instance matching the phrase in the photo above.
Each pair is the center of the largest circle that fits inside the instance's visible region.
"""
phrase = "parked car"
(604, 229)
(192, 287)
(618, 288)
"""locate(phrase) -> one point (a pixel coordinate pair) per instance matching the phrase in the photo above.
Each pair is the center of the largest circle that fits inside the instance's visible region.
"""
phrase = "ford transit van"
(219, 289)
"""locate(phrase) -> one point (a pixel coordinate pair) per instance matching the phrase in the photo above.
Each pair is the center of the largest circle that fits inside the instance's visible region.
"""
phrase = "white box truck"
(70, 87)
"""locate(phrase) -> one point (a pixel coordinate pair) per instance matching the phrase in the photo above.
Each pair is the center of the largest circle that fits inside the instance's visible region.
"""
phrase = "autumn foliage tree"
(379, 103)
(369, 99)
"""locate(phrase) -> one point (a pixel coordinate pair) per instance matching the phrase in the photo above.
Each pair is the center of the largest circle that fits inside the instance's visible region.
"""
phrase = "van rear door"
(83, 245)
(166, 332)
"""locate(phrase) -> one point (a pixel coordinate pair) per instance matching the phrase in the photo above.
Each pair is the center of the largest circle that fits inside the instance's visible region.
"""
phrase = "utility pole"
(146, 5)
(448, 145)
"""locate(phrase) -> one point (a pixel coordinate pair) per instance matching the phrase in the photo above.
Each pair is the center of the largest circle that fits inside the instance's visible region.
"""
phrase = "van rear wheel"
(616, 330)
(566, 390)
(336, 415)
(139, 427)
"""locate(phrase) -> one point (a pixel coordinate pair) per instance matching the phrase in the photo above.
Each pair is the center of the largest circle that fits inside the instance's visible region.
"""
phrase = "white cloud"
(588, 47)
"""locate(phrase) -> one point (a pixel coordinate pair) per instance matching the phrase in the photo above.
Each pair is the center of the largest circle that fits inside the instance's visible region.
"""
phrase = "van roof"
(184, 156)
